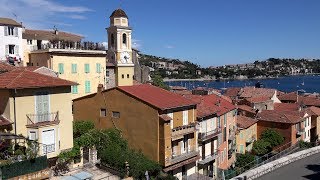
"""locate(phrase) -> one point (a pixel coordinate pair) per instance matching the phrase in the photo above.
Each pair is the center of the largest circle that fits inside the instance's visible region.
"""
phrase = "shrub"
(261, 147)
(272, 136)
(82, 127)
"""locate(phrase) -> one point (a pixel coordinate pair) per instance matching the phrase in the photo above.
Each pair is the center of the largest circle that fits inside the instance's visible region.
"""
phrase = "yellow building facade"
(85, 67)
(247, 134)
(40, 113)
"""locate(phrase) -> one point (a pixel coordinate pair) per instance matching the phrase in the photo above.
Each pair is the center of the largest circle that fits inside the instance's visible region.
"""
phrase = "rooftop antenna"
(15, 15)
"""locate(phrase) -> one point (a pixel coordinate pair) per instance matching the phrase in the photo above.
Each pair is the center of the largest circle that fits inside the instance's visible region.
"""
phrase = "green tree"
(81, 127)
(272, 136)
(261, 147)
(245, 161)
(158, 81)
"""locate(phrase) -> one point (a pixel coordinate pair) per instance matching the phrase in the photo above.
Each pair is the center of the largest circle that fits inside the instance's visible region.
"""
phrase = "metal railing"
(208, 158)
(206, 135)
(281, 151)
(175, 158)
(45, 117)
(48, 148)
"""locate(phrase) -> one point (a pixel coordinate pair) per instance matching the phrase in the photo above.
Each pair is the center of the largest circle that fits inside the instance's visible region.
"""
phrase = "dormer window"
(124, 38)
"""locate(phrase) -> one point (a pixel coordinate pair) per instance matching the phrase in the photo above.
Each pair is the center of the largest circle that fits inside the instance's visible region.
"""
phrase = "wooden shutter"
(16, 49)
(6, 30)
(16, 32)
(7, 50)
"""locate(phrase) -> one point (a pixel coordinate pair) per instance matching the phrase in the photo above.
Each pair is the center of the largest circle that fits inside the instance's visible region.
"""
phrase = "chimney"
(100, 88)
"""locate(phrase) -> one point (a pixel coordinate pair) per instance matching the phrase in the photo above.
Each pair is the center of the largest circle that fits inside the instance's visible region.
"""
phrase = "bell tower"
(119, 48)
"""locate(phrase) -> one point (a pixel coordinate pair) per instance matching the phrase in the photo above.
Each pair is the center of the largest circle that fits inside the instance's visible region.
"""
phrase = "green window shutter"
(61, 69)
(87, 87)
(74, 68)
(86, 68)
(75, 89)
(241, 149)
(98, 68)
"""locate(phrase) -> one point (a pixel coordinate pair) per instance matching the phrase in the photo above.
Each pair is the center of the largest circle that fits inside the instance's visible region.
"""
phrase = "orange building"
(160, 123)
(217, 126)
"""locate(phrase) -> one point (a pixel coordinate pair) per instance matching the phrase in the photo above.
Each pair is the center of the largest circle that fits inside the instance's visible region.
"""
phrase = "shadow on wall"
(315, 168)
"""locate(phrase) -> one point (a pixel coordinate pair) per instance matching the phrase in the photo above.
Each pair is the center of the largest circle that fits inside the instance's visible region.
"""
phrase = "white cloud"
(35, 13)
(136, 43)
(169, 46)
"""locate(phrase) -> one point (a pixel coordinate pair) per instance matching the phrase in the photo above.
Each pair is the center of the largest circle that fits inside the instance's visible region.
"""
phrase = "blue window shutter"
(74, 68)
(87, 86)
(61, 69)
(98, 68)
(75, 89)
(86, 68)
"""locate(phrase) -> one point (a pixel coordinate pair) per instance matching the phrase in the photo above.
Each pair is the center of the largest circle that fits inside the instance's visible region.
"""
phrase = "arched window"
(112, 39)
(124, 38)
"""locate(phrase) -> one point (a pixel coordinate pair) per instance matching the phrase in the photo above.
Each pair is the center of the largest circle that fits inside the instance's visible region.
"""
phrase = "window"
(107, 73)
(74, 89)
(11, 49)
(29, 41)
(98, 68)
(308, 133)
(122, 76)
(241, 149)
(10, 30)
(305, 123)
(103, 112)
(86, 68)
(115, 114)
(185, 117)
(171, 121)
(74, 68)
(87, 86)
(128, 76)
(61, 68)
(124, 38)
(112, 40)
(219, 123)
(32, 135)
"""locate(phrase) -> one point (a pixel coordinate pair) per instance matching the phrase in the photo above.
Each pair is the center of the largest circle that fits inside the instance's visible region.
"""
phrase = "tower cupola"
(119, 18)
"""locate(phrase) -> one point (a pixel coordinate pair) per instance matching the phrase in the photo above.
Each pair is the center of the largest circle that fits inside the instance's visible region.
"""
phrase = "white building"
(10, 39)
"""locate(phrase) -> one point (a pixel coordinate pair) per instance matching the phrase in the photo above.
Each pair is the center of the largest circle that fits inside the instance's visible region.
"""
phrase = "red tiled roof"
(290, 117)
(210, 104)
(257, 99)
(246, 108)
(286, 106)
(183, 92)
(248, 92)
(4, 67)
(50, 35)
(288, 97)
(313, 111)
(309, 100)
(23, 78)
(157, 97)
(232, 91)
(245, 122)
(4, 121)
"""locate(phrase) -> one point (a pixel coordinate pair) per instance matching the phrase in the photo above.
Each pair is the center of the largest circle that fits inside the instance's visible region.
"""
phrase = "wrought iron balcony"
(48, 148)
(42, 119)
(208, 135)
(208, 158)
(179, 132)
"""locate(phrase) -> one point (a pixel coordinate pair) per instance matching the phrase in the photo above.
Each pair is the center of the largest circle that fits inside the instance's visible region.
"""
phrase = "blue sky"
(207, 32)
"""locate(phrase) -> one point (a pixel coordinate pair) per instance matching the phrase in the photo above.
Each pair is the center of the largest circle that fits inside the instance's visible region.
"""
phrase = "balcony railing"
(208, 158)
(180, 131)
(232, 135)
(34, 119)
(208, 135)
(181, 157)
(300, 131)
(250, 140)
(48, 148)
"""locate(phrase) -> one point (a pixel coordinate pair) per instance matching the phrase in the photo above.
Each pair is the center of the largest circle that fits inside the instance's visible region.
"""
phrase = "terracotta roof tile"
(288, 97)
(50, 35)
(286, 106)
(23, 78)
(5, 67)
(210, 104)
(165, 117)
(118, 13)
(8, 21)
(246, 108)
(290, 117)
(313, 111)
(249, 92)
(157, 97)
(257, 99)
(232, 92)
(245, 122)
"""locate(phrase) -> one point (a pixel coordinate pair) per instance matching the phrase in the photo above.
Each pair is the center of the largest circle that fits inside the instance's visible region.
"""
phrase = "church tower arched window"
(124, 39)
(112, 40)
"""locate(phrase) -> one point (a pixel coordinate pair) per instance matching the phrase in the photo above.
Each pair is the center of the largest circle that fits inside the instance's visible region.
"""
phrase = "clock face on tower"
(125, 57)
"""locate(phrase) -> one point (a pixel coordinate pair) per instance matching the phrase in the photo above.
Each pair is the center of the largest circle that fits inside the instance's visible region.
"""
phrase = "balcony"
(179, 132)
(250, 140)
(232, 135)
(181, 157)
(208, 158)
(35, 120)
(300, 131)
(208, 135)
(48, 148)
